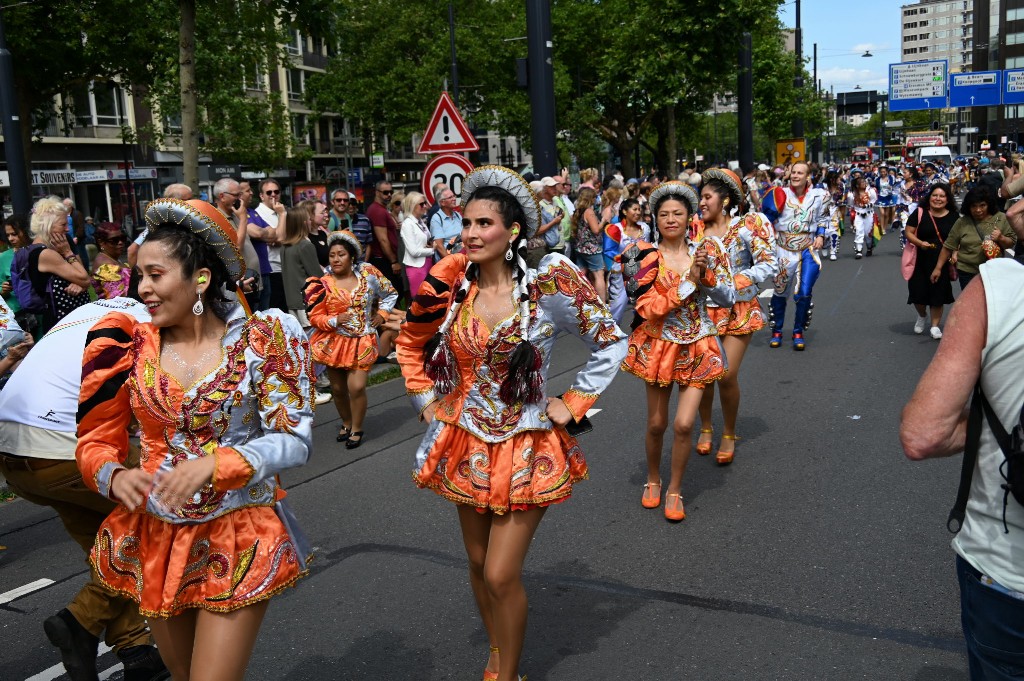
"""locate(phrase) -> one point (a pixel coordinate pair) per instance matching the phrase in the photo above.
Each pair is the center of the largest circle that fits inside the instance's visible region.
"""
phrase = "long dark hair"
(523, 382)
(193, 253)
(626, 205)
(979, 194)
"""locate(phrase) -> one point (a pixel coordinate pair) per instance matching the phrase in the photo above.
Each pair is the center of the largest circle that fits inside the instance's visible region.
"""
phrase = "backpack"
(28, 297)
(1012, 467)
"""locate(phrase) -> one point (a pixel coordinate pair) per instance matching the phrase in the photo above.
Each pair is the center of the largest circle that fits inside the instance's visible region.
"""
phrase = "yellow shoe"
(491, 676)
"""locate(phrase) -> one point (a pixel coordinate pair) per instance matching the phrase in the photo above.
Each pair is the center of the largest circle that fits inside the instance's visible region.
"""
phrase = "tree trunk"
(671, 145)
(626, 146)
(25, 107)
(189, 96)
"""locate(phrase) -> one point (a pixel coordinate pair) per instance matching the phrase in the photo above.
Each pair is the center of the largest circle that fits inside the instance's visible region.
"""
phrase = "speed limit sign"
(448, 168)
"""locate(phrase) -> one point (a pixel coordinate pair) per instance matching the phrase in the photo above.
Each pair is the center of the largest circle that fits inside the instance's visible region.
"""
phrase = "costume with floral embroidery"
(478, 450)
(233, 544)
(676, 341)
(750, 242)
(353, 343)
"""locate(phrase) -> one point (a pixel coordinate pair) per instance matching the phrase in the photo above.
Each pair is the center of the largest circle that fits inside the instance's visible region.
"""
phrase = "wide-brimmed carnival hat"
(513, 183)
(730, 179)
(345, 236)
(674, 189)
(206, 222)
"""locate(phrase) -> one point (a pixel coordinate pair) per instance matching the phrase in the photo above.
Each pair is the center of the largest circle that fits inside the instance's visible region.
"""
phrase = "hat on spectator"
(548, 182)
(762, 166)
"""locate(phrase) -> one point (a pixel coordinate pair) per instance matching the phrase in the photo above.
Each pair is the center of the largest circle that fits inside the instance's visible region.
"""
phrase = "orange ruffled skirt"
(742, 318)
(232, 561)
(663, 363)
(343, 352)
(530, 469)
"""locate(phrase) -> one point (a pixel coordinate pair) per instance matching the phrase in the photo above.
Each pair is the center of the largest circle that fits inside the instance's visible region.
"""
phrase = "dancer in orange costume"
(750, 242)
(200, 539)
(674, 341)
(475, 351)
(346, 308)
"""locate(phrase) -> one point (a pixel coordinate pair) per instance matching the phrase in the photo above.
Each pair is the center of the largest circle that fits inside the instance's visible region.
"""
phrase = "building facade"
(998, 35)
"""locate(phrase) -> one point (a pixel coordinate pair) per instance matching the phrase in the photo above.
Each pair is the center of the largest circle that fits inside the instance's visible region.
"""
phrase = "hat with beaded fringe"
(206, 222)
(674, 189)
(348, 237)
(730, 179)
(513, 183)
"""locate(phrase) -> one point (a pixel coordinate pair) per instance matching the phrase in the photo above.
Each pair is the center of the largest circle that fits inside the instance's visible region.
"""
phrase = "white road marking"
(57, 670)
(767, 293)
(592, 412)
(107, 673)
(9, 596)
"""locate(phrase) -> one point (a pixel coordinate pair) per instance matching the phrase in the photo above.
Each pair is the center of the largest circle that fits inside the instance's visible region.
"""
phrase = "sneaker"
(323, 398)
(77, 646)
(920, 324)
(936, 333)
(393, 357)
(142, 663)
(776, 340)
(858, 255)
(831, 256)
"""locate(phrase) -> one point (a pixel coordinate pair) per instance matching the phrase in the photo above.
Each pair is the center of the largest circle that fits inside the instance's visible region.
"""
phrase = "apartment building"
(939, 29)
(84, 156)
(999, 44)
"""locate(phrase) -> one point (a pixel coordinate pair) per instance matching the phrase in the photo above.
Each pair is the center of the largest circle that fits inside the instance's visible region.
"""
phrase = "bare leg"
(707, 403)
(476, 532)
(920, 309)
(682, 430)
(357, 398)
(936, 311)
(729, 387)
(224, 643)
(339, 390)
(506, 552)
(386, 342)
(601, 285)
(175, 638)
(657, 421)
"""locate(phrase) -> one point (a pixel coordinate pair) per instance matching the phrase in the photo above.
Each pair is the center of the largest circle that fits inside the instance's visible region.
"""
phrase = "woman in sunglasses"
(110, 274)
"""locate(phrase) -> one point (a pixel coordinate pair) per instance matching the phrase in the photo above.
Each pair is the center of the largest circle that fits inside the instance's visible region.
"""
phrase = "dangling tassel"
(439, 364)
(523, 383)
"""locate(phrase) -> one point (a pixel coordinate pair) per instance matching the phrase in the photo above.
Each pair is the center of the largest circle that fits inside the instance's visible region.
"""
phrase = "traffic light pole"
(542, 87)
(14, 151)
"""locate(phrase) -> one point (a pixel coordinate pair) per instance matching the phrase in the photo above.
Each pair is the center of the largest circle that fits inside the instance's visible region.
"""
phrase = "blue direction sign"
(1013, 86)
(918, 85)
(978, 88)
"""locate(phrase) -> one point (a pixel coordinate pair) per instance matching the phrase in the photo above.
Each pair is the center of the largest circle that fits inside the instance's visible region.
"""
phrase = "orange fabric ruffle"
(745, 316)
(663, 363)
(343, 352)
(223, 564)
(530, 469)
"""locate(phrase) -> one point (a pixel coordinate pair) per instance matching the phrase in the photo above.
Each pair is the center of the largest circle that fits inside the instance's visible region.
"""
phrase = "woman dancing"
(475, 351)
(346, 308)
(199, 539)
(675, 343)
(750, 243)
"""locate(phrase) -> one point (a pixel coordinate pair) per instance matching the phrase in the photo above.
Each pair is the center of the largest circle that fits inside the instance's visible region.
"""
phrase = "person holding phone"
(675, 342)
(445, 225)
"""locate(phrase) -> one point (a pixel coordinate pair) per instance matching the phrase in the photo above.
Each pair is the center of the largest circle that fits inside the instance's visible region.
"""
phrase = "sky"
(843, 31)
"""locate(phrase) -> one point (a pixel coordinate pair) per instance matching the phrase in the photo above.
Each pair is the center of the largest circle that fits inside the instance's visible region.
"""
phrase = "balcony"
(314, 61)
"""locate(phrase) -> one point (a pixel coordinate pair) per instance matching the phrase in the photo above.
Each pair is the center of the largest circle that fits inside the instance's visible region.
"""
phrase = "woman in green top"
(17, 236)
(981, 233)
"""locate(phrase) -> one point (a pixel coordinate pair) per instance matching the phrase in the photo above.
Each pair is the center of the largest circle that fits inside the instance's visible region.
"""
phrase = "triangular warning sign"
(447, 132)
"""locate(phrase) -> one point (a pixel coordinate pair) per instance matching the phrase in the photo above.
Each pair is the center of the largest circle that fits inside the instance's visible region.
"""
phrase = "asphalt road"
(821, 553)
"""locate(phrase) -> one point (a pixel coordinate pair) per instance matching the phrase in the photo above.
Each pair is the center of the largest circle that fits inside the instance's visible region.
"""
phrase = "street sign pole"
(14, 150)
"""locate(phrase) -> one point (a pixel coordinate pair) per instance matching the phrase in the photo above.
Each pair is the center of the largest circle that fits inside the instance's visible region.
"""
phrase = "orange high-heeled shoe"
(704, 448)
(674, 511)
(725, 458)
(492, 676)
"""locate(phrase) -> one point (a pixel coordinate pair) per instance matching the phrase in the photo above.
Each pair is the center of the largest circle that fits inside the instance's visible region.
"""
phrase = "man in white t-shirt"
(37, 457)
(272, 210)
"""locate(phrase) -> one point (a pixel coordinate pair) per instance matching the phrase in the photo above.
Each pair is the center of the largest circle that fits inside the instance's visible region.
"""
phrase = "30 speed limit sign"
(448, 168)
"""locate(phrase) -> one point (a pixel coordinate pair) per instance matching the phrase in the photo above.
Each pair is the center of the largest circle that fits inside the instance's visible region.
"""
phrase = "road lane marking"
(11, 595)
(767, 293)
(592, 412)
(57, 670)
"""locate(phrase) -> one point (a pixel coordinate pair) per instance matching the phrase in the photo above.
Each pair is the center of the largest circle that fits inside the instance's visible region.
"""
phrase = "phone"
(237, 204)
(577, 428)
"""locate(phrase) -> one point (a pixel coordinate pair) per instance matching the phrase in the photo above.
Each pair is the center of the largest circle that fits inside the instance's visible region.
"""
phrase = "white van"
(934, 155)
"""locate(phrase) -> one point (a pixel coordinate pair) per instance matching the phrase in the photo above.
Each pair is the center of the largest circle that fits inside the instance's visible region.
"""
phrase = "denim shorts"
(991, 622)
(591, 263)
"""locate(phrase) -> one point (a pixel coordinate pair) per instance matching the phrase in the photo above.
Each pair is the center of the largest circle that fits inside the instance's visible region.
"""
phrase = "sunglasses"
(387, 192)
(272, 192)
(341, 200)
(424, 203)
(117, 240)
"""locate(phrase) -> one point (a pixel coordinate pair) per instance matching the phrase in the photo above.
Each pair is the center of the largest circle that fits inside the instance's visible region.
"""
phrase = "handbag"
(909, 258)
(989, 248)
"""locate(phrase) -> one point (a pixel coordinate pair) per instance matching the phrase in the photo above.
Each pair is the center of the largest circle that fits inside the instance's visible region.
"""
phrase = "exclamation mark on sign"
(444, 123)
